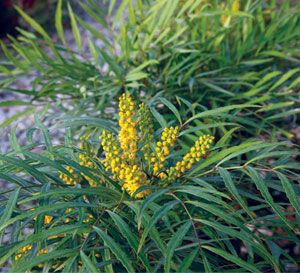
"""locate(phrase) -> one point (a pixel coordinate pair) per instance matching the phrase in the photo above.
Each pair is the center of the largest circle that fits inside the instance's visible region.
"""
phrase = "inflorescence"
(133, 158)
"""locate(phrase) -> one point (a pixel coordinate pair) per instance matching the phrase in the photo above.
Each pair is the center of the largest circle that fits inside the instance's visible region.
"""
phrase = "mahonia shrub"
(145, 198)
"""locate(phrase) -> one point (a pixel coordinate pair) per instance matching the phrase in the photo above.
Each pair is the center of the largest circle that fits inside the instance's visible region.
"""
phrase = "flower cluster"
(25, 249)
(131, 176)
(134, 178)
(128, 134)
(111, 147)
(136, 133)
(132, 157)
(84, 160)
(162, 150)
(72, 179)
(202, 145)
(22, 251)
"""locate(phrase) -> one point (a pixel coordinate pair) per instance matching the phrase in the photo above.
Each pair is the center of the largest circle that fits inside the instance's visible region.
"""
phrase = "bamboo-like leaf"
(10, 206)
(261, 186)
(238, 261)
(131, 238)
(75, 29)
(188, 260)
(88, 263)
(36, 26)
(115, 248)
(174, 242)
(58, 22)
(233, 190)
(172, 107)
(24, 265)
(216, 112)
(290, 192)
(284, 78)
(159, 213)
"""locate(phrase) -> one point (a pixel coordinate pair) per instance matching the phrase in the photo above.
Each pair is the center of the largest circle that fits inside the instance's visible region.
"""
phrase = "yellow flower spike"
(199, 149)
(68, 179)
(112, 152)
(128, 134)
(85, 158)
(134, 179)
(168, 139)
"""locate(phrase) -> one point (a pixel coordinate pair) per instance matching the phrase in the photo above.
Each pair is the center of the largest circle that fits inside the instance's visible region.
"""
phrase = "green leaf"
(143, 65)
(160, 119)
(174, 242)
(9, 103)
(261, 186)
(44, 235)
(233, 190)
(58, 22)
(115, 248)
(159, 213)
(218, 156)
(187, 261)
(91, 268)
(220, 110)
(172, 108)
(284, 78)
(24, 265)
(95, 12)
(147, 202)
(107, 257)
(290, 192)
(44, 209)
(232, 259)
(45, 133)
(36, 26)
(10, 206)
(136, 76)
(75, 29)
(131, 238)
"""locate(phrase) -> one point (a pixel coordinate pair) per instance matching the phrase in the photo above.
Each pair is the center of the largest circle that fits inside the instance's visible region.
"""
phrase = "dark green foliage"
(238, 82)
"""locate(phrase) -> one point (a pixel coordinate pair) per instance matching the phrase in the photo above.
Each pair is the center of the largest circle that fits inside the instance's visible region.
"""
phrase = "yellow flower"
(133, 179)
(168, 139)
(70, 180)
(121, 154)
(199, 149)
(22, 251)
(42, 251)
(112, 151)
(47, 219)
(128, 134)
